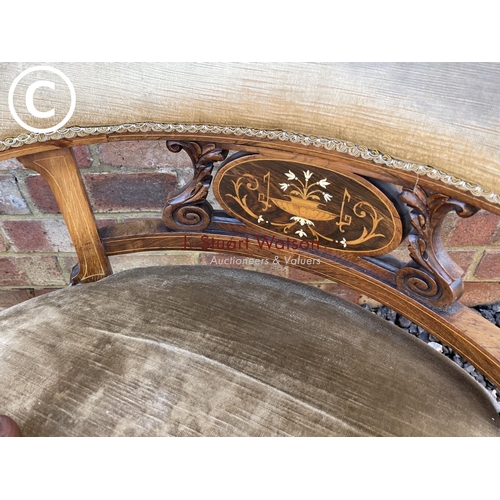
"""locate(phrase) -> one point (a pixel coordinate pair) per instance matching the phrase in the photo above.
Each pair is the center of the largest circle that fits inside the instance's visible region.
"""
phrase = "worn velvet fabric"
(446, 115)
(201, 351)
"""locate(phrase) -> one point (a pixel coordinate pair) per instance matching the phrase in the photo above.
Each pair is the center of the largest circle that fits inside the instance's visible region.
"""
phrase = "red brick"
(12, 164)
(10, 274)
(41, 270)
(185, 174)
(495, 238)
(26, 235)
(489, 265)
(464, 258)
(448, 227)
(275, 269)
(11, 199)
(48, 235)
(129, 192)
(67, 263)
(4, 246)
(41, 195)
(141, 154)
(58, 236)
(477, 293)
(9, 298)
(30, 271)
(111, 192)
(477, 230)
(14, 296)
(82, 156)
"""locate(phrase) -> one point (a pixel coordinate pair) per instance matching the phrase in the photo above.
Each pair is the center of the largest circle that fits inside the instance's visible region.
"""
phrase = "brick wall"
(130, 179)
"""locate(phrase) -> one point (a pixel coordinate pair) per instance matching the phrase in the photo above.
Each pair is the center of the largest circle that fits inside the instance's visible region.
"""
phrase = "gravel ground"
(490, 312)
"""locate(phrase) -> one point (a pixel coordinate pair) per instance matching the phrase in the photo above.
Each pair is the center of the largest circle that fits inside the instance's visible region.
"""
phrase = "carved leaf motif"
(433, 276)
(189, 208)
(200, 154)
(413, 199)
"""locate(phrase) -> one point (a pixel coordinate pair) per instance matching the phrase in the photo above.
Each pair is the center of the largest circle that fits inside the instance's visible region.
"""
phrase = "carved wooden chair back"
(321, 206)
(333, 208)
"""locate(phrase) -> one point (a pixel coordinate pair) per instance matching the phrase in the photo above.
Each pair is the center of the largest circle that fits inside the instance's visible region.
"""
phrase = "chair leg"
(8, 428)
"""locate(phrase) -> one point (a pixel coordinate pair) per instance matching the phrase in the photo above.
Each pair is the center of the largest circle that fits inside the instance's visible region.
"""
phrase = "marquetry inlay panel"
(309, 203)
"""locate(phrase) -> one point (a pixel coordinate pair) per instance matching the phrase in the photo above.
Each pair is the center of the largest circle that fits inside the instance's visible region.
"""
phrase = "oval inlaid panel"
(303, 203)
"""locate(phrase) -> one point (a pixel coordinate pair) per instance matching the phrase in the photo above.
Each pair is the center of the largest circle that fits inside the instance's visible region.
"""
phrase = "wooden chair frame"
(427, 291)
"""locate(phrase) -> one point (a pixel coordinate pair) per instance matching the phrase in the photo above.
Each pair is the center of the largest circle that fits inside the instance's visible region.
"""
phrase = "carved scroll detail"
(189, 209)
(432, 276)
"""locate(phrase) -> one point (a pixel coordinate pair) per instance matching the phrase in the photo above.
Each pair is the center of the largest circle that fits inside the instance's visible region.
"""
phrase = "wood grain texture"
(190, 209)
(61, 173)
(284, 149)
(468, 334)
(432, 276)
(288, 199)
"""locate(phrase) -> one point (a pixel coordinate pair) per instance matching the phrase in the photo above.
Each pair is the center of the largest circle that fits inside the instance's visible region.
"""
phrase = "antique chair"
(212, 351)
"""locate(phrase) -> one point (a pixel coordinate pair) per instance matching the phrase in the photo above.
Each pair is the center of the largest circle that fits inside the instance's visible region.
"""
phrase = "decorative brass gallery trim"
(319, 142)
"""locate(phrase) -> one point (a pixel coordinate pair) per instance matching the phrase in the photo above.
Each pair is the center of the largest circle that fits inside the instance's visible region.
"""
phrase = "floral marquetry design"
(309, 203)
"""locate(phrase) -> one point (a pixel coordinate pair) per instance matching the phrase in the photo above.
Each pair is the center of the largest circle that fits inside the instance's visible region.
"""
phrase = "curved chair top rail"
(322, 210)
(379, 164)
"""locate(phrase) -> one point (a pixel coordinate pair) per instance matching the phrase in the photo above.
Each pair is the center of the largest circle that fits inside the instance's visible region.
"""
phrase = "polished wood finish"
(59, 169)
(190, 209)
(433, 277)
(255, 144)
(312, 205)
(374, 275)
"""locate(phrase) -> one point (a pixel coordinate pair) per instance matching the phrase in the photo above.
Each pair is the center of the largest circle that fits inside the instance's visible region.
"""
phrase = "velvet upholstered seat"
(269, 357)
(338, 165)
